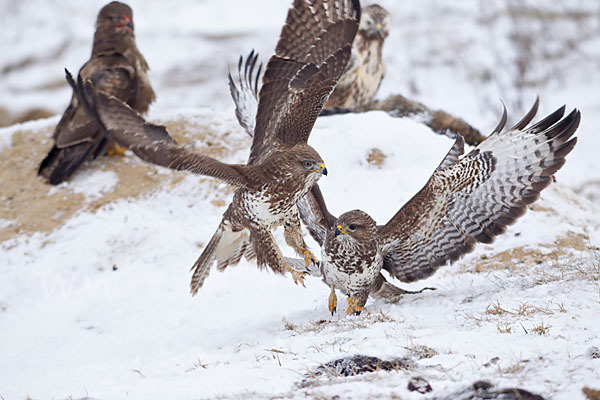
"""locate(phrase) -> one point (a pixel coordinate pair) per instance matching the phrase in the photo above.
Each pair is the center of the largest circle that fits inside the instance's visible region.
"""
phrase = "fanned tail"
(226, 247)
(390, 293)
(60, 164)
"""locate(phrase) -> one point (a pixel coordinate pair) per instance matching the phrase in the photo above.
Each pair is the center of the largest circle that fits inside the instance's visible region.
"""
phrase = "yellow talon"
(353, 306)
(332, 301)
(309, 258)
(297, 276)
(116, 149)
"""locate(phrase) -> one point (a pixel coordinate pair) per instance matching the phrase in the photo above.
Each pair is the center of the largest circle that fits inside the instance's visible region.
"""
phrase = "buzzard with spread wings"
(116, 68)
(312, 52)
(469, 199)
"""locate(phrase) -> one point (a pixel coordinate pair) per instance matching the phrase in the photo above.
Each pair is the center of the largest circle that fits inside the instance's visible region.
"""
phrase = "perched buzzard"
(117, 68)
(312, 52)
(359, 82)
(244, 89)
(366, 69)
(355, 92)
(469, 199)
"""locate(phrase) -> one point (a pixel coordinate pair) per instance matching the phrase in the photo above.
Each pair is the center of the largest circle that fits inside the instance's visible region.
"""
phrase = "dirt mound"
(29, 205)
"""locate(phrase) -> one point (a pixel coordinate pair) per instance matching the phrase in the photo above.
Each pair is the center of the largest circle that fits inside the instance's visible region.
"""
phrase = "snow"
(99, 308)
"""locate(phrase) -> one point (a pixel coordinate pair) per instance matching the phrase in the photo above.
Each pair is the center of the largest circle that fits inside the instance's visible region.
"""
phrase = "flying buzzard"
(366, 69)
(117, 68)
(244, 90)
(312, 52)
(469, 199)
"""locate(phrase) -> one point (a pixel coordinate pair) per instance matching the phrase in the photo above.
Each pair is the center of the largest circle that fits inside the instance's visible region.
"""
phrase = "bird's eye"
(307, 164)
(352, 227)
(115, 19)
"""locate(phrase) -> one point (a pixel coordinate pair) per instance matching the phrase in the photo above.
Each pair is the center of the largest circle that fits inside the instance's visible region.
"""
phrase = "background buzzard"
(468, 199)
(355, 92)
(313, 50)
(117, 68)
(366, 69)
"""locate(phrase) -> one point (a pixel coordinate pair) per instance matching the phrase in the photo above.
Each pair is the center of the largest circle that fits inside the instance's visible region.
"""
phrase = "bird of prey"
(311, 54)
(366, 69)
(469, 199)
(115, 67)
(355, 92)
(357, 85)
(244, 91)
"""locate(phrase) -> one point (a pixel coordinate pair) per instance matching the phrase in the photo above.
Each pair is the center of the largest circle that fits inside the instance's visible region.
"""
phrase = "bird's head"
(115, 18)
(375, 22)
(355, 225)
(305, 161)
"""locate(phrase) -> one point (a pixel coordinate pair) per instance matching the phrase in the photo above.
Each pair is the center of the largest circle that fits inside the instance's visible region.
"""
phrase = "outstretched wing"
(153, 143)
(116, 79)
(312, 53)
(244, 91)
(77, 135)
(315, 215)
(473, 198)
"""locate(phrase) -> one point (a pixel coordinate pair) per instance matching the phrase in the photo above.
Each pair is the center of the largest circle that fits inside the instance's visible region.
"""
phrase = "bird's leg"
(332, 301)
(116, 149)
(353, 306)
(294, 239)
(268, 253)
(297, 276)
(309, 257)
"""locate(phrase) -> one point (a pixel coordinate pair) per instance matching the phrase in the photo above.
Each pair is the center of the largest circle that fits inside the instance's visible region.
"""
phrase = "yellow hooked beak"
(321, 169)
(378, 27)
(339, 230)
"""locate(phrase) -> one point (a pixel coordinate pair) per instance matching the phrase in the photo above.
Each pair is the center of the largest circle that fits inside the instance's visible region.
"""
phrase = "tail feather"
(61, 163)
(202, 265)
(226, 247)
(389, 293)
(235, 257)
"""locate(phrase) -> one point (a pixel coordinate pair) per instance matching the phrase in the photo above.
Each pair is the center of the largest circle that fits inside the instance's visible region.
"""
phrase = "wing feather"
(475, 197)
(244, 91)
(313, 50)
(315, 215)
(115, 79)
(153, 143)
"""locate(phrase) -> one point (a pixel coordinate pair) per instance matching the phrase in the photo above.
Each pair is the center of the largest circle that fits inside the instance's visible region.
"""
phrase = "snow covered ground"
(99, 306)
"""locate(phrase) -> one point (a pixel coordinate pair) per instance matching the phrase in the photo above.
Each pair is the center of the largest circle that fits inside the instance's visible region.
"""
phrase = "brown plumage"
(439, 121)
(356, 90)
(366, 68)
(116, 67)
(313, 50)
(469, 199)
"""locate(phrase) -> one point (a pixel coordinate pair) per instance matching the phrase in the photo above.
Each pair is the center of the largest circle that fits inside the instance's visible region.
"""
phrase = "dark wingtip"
(502, 121)
(548, 121)
(357, 8)
(70, 80)
(528, 117)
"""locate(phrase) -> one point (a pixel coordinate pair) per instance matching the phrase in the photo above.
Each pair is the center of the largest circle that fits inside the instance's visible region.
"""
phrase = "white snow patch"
(93, 183)
(100, 308)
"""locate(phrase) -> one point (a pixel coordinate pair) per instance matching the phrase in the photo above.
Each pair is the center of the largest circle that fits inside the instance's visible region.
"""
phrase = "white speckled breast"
(350, 269)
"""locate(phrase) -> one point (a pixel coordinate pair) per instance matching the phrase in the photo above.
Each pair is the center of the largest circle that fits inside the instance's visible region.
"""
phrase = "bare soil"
(30, 205)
